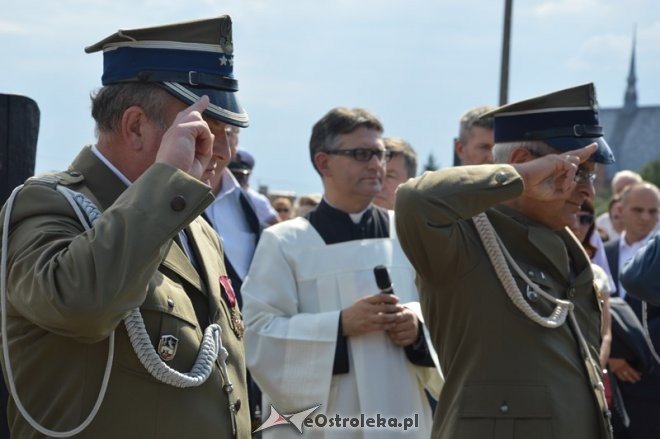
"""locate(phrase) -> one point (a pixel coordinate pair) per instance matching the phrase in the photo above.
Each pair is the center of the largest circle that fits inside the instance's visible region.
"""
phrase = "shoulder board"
(66, 178)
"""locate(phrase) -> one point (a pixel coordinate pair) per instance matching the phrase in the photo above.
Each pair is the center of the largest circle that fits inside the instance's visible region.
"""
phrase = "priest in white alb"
(319, 331)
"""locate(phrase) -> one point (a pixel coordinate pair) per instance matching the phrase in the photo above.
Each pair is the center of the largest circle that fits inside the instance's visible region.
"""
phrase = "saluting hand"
(188, 143)
(371, 313)
(552, 177)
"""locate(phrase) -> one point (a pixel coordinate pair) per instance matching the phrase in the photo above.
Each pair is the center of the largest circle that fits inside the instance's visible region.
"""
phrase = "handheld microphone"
(383, 279)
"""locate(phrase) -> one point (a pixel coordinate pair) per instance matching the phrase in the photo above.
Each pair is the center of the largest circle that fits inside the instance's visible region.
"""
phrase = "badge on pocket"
(167, 347)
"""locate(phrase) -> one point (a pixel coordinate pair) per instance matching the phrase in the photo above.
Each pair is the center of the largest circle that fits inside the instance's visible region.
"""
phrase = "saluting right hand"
(552, 177)
(369, 314)
(188, 143)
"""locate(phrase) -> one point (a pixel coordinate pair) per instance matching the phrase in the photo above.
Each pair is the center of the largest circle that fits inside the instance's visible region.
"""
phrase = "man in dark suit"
(640, 391)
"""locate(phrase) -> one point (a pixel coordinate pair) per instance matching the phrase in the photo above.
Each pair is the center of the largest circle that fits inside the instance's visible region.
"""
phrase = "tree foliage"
(431, 164)
(651, 172)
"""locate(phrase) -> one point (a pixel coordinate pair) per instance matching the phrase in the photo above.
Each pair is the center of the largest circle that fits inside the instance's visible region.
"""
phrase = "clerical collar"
(336, 226)
(355, 217)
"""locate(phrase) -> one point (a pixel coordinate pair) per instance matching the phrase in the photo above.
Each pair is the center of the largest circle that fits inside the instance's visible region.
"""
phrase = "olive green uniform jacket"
(506, 376)
(69, 289)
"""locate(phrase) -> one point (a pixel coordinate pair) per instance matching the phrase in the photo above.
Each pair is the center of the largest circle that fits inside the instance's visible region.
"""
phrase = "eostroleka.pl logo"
(295, 419)
(323, 421)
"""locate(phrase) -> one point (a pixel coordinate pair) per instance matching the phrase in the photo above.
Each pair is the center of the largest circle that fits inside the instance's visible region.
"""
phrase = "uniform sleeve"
(640, 275)
(78, 283)
(432, 212)
(289, 354)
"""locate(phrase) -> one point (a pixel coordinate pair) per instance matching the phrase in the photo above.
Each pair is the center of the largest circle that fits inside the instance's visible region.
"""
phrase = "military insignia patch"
(167, 347)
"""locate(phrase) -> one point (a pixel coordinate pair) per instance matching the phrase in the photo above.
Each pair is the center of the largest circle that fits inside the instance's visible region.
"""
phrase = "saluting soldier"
(506, 289)
(117, 237)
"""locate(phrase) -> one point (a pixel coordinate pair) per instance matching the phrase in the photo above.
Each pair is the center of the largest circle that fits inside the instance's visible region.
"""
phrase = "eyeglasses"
(363, 154)
(583, 176)
(586, 220)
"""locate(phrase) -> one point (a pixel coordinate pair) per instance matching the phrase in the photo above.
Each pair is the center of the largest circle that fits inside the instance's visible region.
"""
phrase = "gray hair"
(502, 151)
(472, 118)
(110, 102)
(399, 146)
(340, 120)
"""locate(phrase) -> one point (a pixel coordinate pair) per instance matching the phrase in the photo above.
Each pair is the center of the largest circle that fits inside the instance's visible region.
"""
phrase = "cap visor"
(223, 106)
(602, 155)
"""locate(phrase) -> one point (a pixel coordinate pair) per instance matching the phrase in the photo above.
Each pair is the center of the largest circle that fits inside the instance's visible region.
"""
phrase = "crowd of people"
(149, 291)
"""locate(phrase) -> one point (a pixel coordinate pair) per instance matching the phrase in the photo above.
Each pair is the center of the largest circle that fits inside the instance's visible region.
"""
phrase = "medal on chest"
(235, 319)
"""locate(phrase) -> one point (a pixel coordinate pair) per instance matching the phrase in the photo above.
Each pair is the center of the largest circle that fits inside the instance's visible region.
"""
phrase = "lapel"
(105, 187)
(208, 257)
(578, 256)
(550, 248)
(250, 214)
(177, 261)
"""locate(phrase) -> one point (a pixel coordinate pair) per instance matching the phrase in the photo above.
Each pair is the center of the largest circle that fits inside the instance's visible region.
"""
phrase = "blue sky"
(416, 64)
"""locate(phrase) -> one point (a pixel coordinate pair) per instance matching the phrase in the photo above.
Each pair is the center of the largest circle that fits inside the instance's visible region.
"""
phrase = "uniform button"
(571, 292)
(504, 408)
(178, 203)
(500, 177)
(532, 295)
(228, 388)
(170, 302)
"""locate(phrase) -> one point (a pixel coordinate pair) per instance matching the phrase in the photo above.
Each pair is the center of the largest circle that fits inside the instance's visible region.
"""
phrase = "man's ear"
(132, 126)
(521, 155)
(322, 163)
(458, 148)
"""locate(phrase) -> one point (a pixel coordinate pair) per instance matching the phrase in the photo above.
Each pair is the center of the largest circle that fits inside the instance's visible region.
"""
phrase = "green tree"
(651, 172)
(431, 164)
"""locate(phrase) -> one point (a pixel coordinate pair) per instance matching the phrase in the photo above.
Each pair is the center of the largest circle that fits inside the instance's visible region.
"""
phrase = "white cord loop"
(499, 255)
(211, 346)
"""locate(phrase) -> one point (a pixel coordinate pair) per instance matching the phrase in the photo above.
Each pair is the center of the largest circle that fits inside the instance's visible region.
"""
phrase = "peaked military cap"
(188, 59)
(242, 162)
(566, 120)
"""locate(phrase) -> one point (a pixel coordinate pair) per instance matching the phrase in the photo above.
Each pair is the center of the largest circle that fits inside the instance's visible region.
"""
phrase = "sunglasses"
(363, 154)
(586, 220)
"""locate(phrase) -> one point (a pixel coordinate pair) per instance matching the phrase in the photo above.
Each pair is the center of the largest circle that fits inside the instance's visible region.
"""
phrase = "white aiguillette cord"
(211, 345)
(501, 260)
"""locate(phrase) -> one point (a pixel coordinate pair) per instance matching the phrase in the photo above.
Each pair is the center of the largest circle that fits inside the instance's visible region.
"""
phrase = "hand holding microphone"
(405, 330)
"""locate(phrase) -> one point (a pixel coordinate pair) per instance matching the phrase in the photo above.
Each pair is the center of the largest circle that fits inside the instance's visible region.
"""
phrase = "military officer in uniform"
(506, 289)
(167, 99)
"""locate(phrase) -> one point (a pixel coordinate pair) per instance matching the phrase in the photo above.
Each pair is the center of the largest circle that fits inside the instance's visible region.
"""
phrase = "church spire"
(630, 99)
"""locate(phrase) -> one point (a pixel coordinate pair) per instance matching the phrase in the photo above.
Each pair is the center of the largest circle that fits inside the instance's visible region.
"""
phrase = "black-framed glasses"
(586, 219)
(363, 154)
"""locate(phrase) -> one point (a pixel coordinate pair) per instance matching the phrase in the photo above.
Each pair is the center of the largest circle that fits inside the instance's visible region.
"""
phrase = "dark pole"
(504, 74)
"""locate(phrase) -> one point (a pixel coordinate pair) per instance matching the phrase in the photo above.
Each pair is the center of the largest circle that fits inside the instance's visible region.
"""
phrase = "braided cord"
(499, 255)
(211, 346)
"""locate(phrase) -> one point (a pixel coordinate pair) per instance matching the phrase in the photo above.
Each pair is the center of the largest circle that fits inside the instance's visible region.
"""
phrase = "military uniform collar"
(102, 182)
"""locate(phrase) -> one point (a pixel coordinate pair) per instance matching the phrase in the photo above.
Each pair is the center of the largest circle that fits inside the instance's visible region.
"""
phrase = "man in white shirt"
(640, 391)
